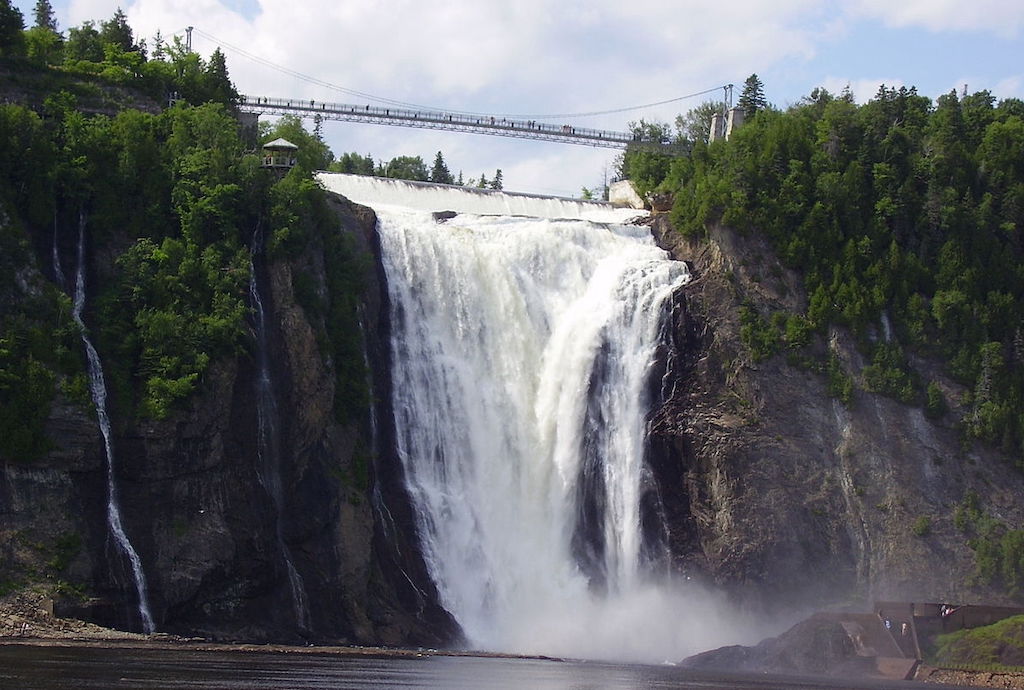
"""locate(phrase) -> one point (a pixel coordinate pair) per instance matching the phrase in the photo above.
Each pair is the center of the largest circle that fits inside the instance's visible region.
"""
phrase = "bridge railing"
(434, 119)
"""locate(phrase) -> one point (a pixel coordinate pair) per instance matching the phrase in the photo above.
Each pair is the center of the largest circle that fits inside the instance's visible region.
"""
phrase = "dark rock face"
(784, 496)
(772, 490)
(200, 516)
(817, 646)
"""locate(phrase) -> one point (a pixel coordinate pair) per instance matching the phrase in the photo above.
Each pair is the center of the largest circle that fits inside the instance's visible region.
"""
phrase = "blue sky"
(569, 56)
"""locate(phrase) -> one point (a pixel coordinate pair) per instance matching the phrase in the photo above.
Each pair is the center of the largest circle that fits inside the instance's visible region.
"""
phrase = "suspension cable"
(380, 99)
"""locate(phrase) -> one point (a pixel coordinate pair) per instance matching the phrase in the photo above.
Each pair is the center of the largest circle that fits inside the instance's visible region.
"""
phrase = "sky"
(533, 58)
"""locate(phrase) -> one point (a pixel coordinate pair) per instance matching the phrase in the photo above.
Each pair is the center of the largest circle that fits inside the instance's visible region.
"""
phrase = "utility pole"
(188, 39)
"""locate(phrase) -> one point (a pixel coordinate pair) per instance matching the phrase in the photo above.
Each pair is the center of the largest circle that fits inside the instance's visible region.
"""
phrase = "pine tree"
(439, 172)
(752, 98)
(116, 32)
(159, 46)
(482, 182)
(497, 183)
(218, 84)
(12, 26)
(44, 15)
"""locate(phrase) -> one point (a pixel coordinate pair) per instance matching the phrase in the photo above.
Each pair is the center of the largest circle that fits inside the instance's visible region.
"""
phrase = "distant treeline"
(905, 218)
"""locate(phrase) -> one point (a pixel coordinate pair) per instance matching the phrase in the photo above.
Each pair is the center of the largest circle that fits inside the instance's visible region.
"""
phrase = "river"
(88, 668)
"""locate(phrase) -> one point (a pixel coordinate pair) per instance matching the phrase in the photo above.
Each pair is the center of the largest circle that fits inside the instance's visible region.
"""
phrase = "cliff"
(196, 505)
(788, 497)
(775, 491)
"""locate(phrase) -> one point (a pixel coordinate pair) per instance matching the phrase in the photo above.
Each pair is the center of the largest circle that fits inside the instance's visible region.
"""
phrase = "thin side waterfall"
(98, 389)
(58, 272)
(268, 445)
(524, 356)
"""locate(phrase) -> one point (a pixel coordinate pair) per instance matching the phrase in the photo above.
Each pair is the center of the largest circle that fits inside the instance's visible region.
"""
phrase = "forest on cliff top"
(905, 219)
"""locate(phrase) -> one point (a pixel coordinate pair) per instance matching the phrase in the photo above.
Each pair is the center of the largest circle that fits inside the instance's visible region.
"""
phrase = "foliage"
(752, 99)
(12, 23)
(38, 340)
(406, 168)
(1000, 645)
(43, 14)
(889, 373)
(439, 171)
(313, 153)
(998, 550)
(922, 526)
(935, 403)
(353, 164)
(695, 125)
(116, 32)
(902, 215)
(761, 336)
(43, 46)
(840, 384)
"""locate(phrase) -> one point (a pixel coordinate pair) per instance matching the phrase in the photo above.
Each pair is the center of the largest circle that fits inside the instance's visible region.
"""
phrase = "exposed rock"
(198, 512)
(660, 202)
(785, 496)
(817, 646)
(442, 216)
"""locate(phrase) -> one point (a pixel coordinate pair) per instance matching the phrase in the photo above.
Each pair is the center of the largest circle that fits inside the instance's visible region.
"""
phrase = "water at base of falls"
(522, 351)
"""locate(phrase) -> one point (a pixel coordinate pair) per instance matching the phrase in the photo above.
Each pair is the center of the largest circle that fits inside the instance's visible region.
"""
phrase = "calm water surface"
(31, 668)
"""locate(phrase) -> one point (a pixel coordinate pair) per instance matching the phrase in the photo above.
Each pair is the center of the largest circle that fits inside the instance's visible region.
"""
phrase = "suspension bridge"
(453, 121)
(387, 112)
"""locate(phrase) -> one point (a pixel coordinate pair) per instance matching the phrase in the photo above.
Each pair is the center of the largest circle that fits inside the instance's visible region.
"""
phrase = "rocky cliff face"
(199, 513)
(784, 495)
(775, 491)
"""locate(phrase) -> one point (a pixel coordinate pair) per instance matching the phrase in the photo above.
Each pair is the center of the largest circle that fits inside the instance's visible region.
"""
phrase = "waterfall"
(98, 389)
(58, 272)
(268, 442)
(523, 352)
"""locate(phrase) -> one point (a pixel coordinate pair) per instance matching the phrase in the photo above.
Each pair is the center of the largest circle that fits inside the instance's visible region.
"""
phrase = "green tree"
(116, 32)
(354, 164)
(44, 18)
(498, 182)
(752, 99)
(218, 85)
(406, 168)
(83, 43)
(439, 172)
(695, 125)
(43, 46)
(12, 24)
(313, 153)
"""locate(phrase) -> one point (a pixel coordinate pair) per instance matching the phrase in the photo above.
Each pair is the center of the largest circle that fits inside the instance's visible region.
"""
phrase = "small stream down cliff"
(523, 352)
(98, 392)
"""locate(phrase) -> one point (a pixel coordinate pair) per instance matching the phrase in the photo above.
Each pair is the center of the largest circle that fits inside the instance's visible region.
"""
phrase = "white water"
(522, 349)
(268, 443)
(378, 192)
(98, 389)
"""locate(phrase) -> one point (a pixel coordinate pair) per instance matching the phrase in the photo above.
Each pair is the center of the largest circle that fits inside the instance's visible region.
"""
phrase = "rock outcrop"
(785, 496)
(197, 510)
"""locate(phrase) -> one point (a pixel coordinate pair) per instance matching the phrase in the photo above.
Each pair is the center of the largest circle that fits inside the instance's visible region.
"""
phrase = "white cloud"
(1010, 87)
(1001, 17)
(536, 57)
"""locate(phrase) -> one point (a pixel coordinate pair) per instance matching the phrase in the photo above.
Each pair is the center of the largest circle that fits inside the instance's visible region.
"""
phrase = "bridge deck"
(460, 122)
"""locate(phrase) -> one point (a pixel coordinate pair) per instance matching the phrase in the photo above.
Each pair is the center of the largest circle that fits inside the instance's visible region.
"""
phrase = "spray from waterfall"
(268, 443)
(98, 389)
